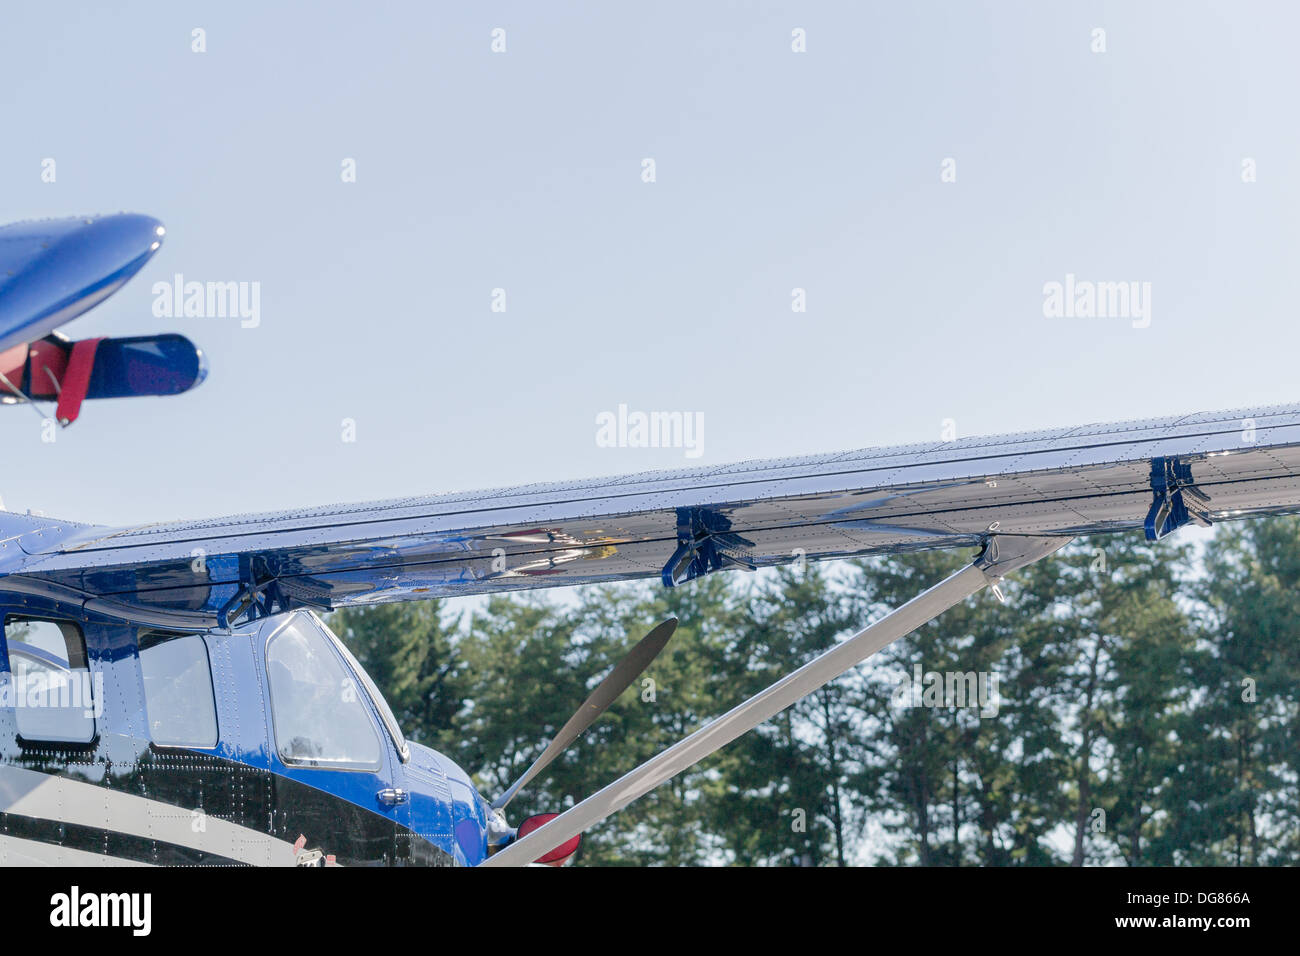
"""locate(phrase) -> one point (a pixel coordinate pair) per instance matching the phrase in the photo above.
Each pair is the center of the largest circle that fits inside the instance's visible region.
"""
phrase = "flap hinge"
(705, 543)
(1177, 499)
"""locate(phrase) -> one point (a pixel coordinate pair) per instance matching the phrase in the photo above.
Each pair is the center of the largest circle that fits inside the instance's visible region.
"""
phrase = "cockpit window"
(53, 694)
(385, 712)
(178, 699)
(316, 706)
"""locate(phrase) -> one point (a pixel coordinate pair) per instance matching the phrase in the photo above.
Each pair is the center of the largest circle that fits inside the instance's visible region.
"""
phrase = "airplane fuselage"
(263, 745)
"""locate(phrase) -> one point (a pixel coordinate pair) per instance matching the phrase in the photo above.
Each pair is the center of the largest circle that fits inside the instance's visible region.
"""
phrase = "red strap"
(76, 381)
(46, 364)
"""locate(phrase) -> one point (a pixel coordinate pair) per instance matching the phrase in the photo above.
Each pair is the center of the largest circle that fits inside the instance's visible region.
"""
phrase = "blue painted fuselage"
(127, 796)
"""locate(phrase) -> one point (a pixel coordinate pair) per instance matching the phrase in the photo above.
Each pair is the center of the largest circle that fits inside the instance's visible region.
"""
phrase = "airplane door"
(340, 787)
(395, 795)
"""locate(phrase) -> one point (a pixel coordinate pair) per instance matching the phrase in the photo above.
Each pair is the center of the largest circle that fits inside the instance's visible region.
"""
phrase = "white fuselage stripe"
(63, 800)
(15, 851)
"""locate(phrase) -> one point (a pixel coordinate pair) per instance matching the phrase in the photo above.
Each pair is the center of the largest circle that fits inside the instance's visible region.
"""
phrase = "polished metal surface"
(1067, 481)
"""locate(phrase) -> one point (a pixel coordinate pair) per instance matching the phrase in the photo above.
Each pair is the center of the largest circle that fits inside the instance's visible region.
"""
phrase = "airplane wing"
(674, 525)
(51, 272)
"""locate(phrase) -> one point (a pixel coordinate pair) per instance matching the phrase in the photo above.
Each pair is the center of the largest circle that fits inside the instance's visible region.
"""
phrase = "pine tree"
(935, 776)
(409, 651)
(785, 797)
(1239, 781)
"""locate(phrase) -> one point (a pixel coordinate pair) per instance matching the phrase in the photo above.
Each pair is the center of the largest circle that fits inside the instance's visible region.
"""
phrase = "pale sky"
(774, 170)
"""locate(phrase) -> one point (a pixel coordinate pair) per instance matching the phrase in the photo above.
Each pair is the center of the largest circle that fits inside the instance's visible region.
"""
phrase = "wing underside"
(677, 525)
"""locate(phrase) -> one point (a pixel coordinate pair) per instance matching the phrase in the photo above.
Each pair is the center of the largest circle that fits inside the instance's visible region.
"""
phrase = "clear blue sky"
(775, 170)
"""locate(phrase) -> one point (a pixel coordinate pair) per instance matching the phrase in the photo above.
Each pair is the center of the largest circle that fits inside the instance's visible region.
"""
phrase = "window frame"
(306, 763)
(47, 743)
(144, 693)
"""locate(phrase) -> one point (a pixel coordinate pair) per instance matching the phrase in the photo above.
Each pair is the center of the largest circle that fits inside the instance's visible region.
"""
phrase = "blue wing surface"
(53, 270)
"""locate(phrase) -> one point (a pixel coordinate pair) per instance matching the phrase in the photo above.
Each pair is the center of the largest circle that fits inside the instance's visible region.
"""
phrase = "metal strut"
(259, 593)
(1001, 555)
(1177, 499)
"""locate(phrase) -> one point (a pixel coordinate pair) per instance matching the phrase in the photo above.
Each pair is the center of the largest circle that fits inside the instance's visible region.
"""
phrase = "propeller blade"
(619, 679)
(771, 701)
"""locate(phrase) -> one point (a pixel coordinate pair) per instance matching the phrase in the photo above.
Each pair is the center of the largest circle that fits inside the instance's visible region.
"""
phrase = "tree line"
(1130, 703)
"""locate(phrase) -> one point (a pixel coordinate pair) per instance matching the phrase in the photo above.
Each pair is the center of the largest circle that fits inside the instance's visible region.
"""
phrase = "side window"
(54, 696)
(178, 699)
(316, 707)
(385, 712)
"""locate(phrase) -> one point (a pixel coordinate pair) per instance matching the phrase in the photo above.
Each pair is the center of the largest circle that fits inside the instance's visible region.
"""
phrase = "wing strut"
(1001, 555)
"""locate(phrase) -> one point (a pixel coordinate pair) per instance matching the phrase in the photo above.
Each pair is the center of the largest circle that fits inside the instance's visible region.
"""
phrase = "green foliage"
(783, 800)
(408, 651)
(1241, 736)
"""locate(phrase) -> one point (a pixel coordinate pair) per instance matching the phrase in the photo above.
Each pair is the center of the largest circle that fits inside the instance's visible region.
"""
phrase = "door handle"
(392, 796)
